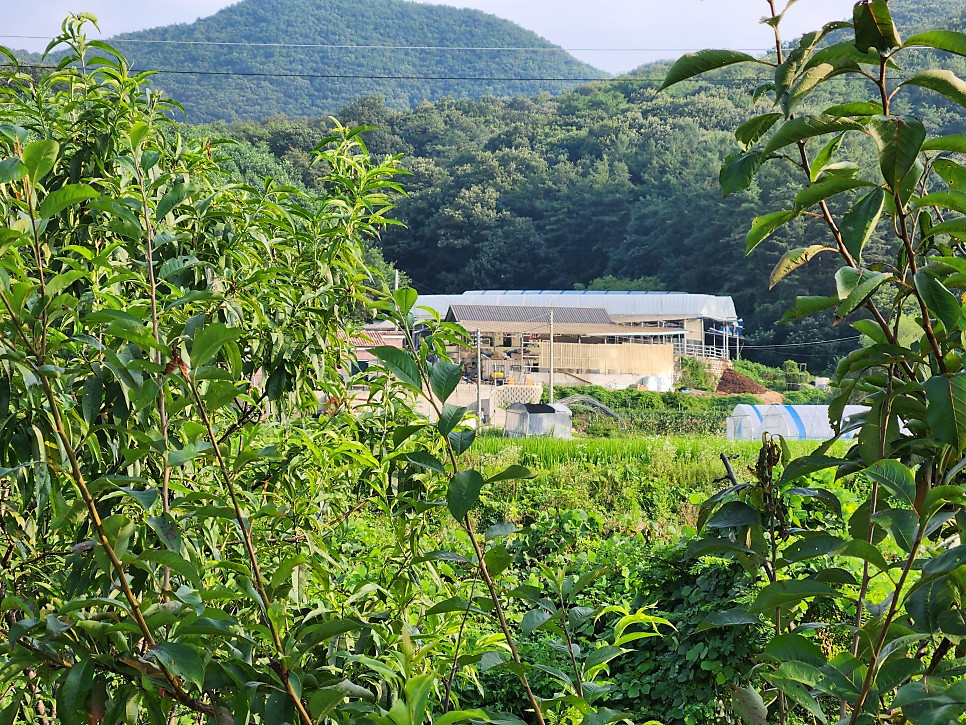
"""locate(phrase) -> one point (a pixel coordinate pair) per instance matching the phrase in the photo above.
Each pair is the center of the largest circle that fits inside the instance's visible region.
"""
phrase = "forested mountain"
(611, 179)
(254, 77)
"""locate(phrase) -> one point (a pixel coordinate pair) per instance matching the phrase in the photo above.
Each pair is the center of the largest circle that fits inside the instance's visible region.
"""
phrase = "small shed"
(792, 422)
(535, 419)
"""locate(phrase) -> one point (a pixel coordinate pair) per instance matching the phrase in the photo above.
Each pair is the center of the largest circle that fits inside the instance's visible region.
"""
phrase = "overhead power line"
(802, 344)
(419, 77)
(257, 44)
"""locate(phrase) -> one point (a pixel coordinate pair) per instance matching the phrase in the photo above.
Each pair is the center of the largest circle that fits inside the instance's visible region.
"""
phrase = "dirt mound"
(734, 382)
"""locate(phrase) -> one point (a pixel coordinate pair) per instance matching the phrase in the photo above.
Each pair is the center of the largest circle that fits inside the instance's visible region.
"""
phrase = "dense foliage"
(864, 604)
(607, 182)
(177, 510)
(251, 59)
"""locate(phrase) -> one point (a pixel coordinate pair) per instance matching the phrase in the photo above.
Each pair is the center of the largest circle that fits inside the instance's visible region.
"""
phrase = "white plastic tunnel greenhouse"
(792, 422)
(529, 419)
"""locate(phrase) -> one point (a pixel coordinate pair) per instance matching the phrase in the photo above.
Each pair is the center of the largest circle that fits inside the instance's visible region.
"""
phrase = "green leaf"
(802, 128)
(947, 40)
(464, 493)
(812, 77)
(865, 551)
(948, 561)
(792, 260)
(534, 619)
(209, 340)
(174, 196)
(711, 545)
(941, 81)
(931, 701)
(899, 140)
(749, 706)
(946, 408)
(179, 456)
(733, 514)
(764, 226)
(453, 604)
(954, 227)
(497, 560)
(874, 28)
(797, 693)
(424, 459)
(56, 201)
(460, 716)
(167, 530)
(39, 157)
(738, 171)
(824, 157)
(282, 576)
(940, 302)
(405, 298)
(497, 531)
(810, 546)
(401, 364)
(73, 693)
(91, 399)
(461, 440)
(792, 591)
(64, 280)
(855, 109)
(693, 64)
(606, 716)
(451, 416)
(826, 188)
(895, 478)
(828, 498)
(951, 199)
(901, 523)
(510, 473)
(752, 130)
(809, 305)
(181, 661)
(12, 170)
(792, 647)
(955, 142)
(728, 618)
(401, 434)
(855, 286)
(444, 376)
(860, 221)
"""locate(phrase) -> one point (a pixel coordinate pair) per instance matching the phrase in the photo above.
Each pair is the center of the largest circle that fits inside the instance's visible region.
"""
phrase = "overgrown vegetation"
(652, 413)
(189, 537)
(879, 640)
(549, 192)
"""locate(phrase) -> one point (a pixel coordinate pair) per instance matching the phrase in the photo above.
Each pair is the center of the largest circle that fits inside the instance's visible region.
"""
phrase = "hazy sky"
(668, 26)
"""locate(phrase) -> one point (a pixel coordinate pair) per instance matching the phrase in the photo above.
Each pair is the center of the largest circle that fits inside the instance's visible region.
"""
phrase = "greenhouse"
(528, 419)
(792, 422)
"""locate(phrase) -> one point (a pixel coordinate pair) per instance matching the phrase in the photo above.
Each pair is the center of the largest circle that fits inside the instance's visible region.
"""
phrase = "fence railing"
(693, 348)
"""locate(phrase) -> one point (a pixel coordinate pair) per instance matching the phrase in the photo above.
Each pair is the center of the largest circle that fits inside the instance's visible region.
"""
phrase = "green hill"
(265, 79)
(609, 180)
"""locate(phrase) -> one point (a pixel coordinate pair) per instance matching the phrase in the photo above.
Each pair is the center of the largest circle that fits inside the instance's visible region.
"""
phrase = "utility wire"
(801, 344)
(257, 44)
(415, 77)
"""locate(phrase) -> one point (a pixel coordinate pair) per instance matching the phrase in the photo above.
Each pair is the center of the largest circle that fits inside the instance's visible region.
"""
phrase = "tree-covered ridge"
(303, 81)
(612, 178)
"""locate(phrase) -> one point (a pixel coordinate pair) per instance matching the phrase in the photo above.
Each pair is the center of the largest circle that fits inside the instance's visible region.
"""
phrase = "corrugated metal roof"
(653, 305)
(568, 329)
(509, 313)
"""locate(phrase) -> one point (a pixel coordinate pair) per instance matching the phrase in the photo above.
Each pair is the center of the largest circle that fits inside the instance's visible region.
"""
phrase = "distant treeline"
(610, 185)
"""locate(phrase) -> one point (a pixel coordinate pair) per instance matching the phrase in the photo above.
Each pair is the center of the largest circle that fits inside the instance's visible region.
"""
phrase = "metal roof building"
(620, 306)
(568, 322)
